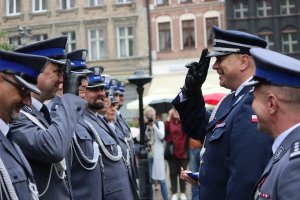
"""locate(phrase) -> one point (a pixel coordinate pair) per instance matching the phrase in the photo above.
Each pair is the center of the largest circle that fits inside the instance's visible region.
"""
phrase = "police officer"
(276, 101)
(84, 157)
(78, 65)
(116, 181)
(234, 153)
(18, 72)
(119, 92)
(43, 140)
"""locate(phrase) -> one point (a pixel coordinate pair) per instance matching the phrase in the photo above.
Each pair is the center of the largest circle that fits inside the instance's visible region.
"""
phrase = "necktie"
(46, 113)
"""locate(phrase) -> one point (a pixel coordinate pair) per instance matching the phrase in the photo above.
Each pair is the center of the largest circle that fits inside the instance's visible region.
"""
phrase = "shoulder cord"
(102, 146)
(93, 161)
(127, 160)
(6, 182)
(60, 165)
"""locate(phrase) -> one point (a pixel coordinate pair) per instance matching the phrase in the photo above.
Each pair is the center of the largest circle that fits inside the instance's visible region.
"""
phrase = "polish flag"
(254, 118)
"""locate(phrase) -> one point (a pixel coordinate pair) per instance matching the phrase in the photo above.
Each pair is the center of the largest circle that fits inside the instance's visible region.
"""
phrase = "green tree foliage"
(4, 45)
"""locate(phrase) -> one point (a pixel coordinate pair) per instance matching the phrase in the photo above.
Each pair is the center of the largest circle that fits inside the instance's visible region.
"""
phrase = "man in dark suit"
(104, 177)
(18, 72)
(45, 141)
(234, 153)
(276, 104)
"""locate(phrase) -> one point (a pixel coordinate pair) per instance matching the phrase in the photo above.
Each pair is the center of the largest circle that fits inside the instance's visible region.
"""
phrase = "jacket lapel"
(10, 148)
(227, 105)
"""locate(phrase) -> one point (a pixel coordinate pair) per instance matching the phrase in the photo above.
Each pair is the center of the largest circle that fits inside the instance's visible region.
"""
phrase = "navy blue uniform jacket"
(236, 152)
(44, 147)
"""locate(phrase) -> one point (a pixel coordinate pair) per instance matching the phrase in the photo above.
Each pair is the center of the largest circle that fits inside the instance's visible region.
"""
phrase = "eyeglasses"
(22, 90)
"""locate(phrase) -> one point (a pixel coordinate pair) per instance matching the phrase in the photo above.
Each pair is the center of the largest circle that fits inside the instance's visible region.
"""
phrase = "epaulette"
(54, 106)
(27, 109)
(295, 150)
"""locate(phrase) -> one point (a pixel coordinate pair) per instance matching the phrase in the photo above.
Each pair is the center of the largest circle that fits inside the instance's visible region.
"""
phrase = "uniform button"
(15, 177)
(78, 108)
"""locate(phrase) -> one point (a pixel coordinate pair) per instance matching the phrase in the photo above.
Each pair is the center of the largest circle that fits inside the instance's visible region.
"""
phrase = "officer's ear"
(245, 61)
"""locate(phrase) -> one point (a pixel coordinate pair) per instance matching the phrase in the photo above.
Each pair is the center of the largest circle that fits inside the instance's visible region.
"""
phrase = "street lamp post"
(140, 79)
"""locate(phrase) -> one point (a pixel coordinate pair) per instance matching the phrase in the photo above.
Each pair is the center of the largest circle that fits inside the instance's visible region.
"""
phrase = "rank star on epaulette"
(295, 150)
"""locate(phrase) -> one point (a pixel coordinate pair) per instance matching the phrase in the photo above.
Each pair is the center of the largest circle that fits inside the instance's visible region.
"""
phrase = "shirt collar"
(37, 104)
(242, 86)
(4, 127)
(282, 136)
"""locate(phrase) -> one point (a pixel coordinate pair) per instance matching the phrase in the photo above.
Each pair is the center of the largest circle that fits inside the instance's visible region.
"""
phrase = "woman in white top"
(155, 133)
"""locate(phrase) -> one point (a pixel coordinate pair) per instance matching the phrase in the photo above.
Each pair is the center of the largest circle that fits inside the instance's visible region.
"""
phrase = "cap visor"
(83, 71)
(96, 85)
(217, 53)
(30, 86)
(60, 62)
(252, 83)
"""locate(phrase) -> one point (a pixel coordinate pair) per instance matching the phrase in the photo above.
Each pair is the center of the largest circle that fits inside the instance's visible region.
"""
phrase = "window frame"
(124, 1)
(99, 3)
(15, 12)
(169, 31)
(41, 37)
(164, 2)
(264, 8)
(41, 3)
(288, 7)
(70, 41)
(290, 41)
(127, 39)
(98, 41)
(265, 35)
(240, 10)
(189, 29)
(68, 4)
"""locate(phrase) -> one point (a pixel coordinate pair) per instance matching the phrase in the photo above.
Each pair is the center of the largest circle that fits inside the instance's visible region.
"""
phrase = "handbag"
(169, 151)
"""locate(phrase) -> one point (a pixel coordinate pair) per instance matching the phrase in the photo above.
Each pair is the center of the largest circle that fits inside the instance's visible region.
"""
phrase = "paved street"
(157, 194)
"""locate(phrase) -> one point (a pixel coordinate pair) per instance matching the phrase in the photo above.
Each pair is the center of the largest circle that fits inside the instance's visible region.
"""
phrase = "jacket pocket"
(85, 142)
(16, 175)
(217, 134)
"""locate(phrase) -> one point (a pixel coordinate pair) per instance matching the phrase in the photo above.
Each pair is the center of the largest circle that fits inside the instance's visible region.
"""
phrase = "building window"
(13, 7)
(264, 8)
(240, 8)
(96, 44)
(14, 41)
(268, 36)
(125, 41)
(164, 32)
(66, 4)
(162, 2)
(123, 1)
(39, 5)
(92, 3)
(287, 7)
(186, 1)
(289, 39)
(40, 37)
(71, 42)
(210, 22)
(188, 34)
